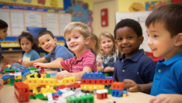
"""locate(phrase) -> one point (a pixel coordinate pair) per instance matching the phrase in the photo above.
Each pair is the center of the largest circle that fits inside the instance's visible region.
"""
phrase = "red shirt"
(87, 59)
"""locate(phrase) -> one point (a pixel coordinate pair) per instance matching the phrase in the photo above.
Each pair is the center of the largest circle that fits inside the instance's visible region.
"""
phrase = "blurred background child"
(94, 44)
(107, 54)
(28, 43)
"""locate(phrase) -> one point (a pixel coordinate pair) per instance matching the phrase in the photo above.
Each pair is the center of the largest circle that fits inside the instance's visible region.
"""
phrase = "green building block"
(48, 75)
(109, 91)
(106, 74)
(82, 99)
(32, 68)
(10, 70)
(17, 80)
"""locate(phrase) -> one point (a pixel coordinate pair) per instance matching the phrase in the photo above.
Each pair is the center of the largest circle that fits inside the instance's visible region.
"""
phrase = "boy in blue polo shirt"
(56, 54)
(133, 64)
(165, 39)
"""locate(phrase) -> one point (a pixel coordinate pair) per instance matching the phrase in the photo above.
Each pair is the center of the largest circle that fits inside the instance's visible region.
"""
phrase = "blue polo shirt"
(138, 68)
(1, 57)
(168, 76)
(59, 52)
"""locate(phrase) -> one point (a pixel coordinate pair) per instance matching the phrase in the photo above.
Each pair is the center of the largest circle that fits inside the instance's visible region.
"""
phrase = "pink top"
(87, 59)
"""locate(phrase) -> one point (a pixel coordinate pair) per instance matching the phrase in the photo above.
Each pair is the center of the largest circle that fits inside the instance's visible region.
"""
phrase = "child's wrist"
(139, 88)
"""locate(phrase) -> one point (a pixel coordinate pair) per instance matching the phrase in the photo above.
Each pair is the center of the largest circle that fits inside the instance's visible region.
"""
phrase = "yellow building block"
(8, 81)
(68, 80)
(124, 95)
(48, 89)
(92, 87)
(43, 75)
(18, 76)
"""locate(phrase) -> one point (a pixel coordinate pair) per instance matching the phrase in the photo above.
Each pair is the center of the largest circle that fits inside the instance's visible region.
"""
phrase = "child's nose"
(149, 42)
(125, 41)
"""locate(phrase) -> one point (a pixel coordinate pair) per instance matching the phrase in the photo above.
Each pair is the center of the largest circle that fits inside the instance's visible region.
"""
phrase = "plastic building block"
(32, 68)
(105, 81)
(68, 94)
(125, 92)
(6, 77)
(53, 74)
(10, 70)
(48, 89)
(102, 94)
(118, 86)
(92, 87)
(82, 99)
(65, 90)
(49, 96)
(21, 91)
(60, 87)
(59, 92)
(48, 75)
(117, 93)
(92, 75)
(68, 80)
(124, 95)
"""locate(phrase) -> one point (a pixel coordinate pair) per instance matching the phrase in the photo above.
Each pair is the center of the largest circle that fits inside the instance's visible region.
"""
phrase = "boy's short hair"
(45, 32)
(3, 24)
(129, 23)
(79, 26)
(170, 15)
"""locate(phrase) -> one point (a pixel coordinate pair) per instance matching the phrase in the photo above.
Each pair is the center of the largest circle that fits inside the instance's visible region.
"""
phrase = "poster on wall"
(5, 16)
(140, 17)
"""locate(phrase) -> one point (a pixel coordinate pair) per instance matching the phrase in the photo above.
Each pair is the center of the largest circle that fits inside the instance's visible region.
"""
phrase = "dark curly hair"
(129, 23)
(3, 24)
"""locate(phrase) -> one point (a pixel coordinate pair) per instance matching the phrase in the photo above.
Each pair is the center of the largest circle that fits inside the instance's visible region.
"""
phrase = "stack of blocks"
(117, 89)
(102, 94)
(94, 81)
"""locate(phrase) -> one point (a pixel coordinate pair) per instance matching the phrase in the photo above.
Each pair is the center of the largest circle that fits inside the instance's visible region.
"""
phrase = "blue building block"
(53, 94)
(6, 77)
(53, 74)
(12, 77)
(117, 93)
(59, 92)
(125, 92)
(26, 73)
(92, 75)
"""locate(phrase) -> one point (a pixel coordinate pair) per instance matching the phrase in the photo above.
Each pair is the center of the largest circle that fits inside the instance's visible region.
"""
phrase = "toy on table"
(118, 89)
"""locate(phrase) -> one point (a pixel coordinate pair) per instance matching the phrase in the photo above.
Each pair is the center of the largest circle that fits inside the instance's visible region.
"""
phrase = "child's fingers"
(152, 100)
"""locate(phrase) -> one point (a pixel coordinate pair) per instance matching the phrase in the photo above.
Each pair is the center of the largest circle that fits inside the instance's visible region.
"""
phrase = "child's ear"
(178, 41)
(141, 39)
(55, 39)
(87, 40)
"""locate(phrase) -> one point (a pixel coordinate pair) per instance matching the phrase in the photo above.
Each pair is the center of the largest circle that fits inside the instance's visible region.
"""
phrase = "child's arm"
(53, 64)
(30, 63)
(78, 75)
(1, 82)
(109, 69)
(167, 98)
(7, 61)
(133, 87)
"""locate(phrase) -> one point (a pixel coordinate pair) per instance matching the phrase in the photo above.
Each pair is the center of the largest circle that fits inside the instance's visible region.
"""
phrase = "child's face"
(26, 45)
(47, 43)
(128, 41)
(3, 33)
(76, 42)
(160, 41)
(106, 44)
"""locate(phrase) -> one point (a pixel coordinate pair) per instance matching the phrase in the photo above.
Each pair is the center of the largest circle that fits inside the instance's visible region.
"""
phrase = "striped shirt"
(87, 59)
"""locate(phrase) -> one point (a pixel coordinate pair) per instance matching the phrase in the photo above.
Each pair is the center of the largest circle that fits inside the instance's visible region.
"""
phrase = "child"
(93, 44)
(56, 54)
(133, 64)
(77, 39)
(27, 44)
(165, 39)
(3, 34)
(107, 54)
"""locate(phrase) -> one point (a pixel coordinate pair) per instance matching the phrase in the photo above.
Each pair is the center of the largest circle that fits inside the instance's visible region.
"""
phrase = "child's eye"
(42, 43)
(130, 37)
(155, 36)
(76, 37)
(68, 39)
(119, 39)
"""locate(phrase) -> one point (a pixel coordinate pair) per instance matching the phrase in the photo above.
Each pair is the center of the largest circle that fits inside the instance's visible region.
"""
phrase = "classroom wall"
(124, 5)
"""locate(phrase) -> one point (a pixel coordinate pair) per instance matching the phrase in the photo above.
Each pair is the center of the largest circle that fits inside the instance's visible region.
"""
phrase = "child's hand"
(167, 98)
(63, 74)
(39, 64)
(26, 64)
(99, 69)
(131, 85)
(109, 69)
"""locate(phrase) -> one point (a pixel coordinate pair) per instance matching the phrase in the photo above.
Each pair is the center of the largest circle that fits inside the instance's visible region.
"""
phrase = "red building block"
(118, 85)
(102, 94)
(21, 91)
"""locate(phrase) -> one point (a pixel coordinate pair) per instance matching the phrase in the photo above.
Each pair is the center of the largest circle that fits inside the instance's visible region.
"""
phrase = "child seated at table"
(56, 52)
(77, 39)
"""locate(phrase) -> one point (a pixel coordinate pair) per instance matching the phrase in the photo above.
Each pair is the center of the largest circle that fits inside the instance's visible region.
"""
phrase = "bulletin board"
(140, 17)
(18, 20)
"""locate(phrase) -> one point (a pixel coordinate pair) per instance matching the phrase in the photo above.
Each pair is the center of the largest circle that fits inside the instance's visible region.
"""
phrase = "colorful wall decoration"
(80, 12)
(154, 5)
(136, 7)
